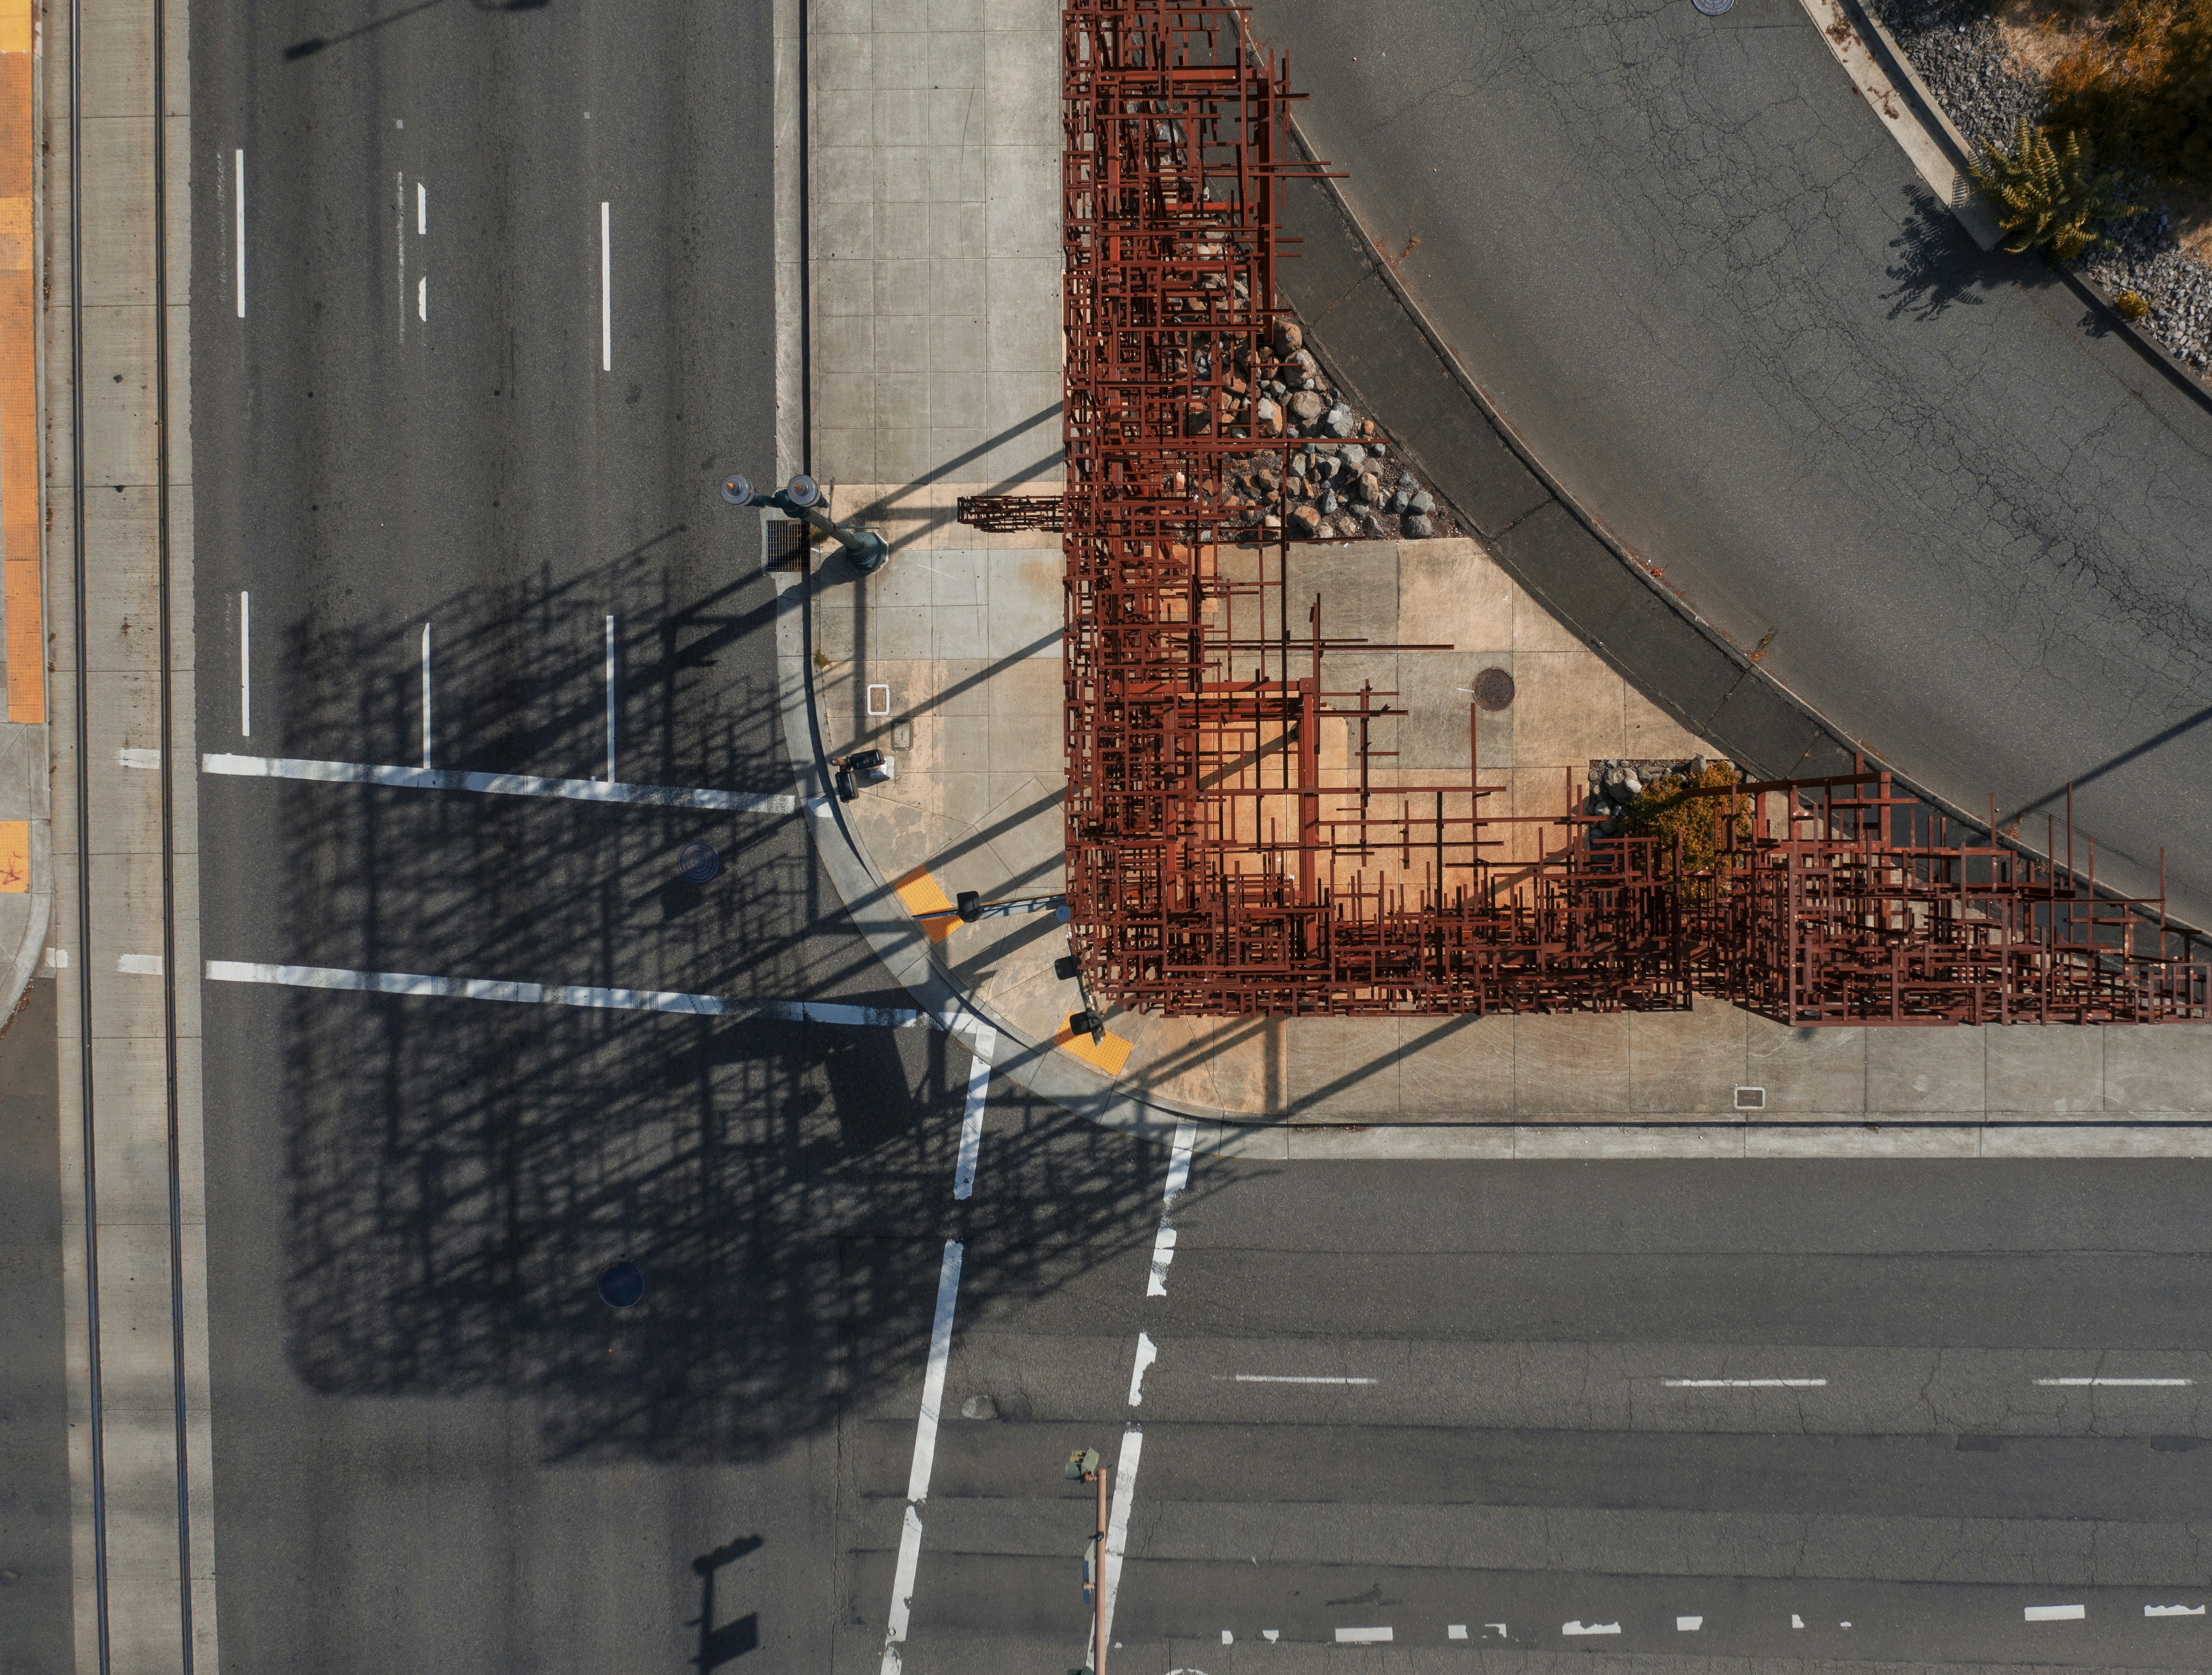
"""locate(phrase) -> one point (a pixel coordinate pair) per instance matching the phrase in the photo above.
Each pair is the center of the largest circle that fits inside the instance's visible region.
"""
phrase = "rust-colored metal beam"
(1237, 846)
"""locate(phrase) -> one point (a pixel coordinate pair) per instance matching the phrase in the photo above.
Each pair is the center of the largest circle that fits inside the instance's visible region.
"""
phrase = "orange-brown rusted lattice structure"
(1238, 845)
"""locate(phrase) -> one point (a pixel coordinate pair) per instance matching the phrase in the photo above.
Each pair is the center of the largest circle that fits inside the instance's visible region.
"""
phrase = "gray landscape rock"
(1340, 423)
(1307, 409)
(1424, 502)
(1418, 528)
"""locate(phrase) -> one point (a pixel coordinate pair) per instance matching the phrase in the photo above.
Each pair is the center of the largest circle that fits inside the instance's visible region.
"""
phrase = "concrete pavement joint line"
(427, 778)
(2055, 1613)
(536, 994)
(925, 1454)
(971, 1120)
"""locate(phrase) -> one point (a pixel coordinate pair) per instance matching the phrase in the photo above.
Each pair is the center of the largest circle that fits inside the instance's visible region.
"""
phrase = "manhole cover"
(621, 1285)
(1493, 689)
(1712, 8)
(697, 863)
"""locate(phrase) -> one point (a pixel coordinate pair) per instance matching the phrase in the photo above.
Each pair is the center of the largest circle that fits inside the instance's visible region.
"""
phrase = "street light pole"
(802, 499)
(1084, 1466)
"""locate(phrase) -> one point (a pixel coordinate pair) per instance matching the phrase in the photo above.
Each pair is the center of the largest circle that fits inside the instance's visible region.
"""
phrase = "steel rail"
(97, 1434)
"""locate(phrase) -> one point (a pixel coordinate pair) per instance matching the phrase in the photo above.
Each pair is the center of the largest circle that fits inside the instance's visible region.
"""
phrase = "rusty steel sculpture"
(1236, 845)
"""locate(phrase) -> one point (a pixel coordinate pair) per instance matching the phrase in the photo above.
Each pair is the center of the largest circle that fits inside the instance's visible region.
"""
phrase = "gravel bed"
(1955, 47)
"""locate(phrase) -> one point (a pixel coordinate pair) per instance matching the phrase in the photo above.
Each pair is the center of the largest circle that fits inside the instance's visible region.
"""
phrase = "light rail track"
(88, 1089)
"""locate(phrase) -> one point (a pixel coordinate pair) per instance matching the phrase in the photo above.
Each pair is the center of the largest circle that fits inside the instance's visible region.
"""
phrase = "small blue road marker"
(621, 1285)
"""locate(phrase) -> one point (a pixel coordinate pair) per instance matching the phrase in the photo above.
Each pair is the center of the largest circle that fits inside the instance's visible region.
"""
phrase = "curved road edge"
(1378, 344)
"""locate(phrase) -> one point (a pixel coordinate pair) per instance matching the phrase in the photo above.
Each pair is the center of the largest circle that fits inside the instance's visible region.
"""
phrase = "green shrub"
(2046, 197)
(1666, 810)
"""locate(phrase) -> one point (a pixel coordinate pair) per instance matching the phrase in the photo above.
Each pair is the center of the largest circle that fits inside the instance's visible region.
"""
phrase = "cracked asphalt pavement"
(1682, 258)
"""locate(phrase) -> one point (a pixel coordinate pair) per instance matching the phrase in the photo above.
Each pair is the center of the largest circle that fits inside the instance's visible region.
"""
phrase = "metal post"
(802, 499)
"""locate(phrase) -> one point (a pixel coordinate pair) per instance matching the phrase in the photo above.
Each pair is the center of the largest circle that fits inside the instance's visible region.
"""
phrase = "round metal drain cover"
(1712, 8)
(697, 863)
(621, 1285)
(1493, 689)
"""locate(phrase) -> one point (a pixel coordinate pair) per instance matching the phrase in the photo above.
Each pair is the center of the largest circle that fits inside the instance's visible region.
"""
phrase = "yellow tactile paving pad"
(15, 857)
(928, 903)
(1109, 1055)
(19, 400)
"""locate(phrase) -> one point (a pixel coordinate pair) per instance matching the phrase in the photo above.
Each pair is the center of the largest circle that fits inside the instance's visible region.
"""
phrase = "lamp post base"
(868, 556)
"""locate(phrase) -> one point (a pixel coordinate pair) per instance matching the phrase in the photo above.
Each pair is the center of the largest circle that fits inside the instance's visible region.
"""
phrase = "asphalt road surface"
(1683, 259)
(1811, 1411)
(435, 1448)
(507, 320)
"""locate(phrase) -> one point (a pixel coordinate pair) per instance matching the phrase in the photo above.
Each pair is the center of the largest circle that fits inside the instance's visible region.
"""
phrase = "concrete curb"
(1939, 152)
(896, 940)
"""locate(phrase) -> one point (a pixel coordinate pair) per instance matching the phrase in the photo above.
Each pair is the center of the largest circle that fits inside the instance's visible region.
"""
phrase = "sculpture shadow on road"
(459, 1172)
(1936, 263)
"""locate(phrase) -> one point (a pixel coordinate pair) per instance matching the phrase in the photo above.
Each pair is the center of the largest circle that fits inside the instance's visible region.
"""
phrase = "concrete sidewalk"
(948, 659)
(26, 871)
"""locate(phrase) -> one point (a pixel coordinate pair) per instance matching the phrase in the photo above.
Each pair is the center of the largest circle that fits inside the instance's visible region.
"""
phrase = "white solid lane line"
(1455, 1631)
(241, 234)
(606, 293)
(985, 1042)
(1147, 1353)
(421, 209)
(925, 1454)
(1363, 1638)
(611, 700)
(1117, 1522)
(423, 299)
(1743, 1384)
(426, 696)
(2056, 1613)
(2173, 1610)
(246, 664)
(511, 785)
(2125, 1383)
(1688, 1625)
(1186, 1136)
(541, 993)
(1164, 1243)
(1288, 1378)
(1579, 1627)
